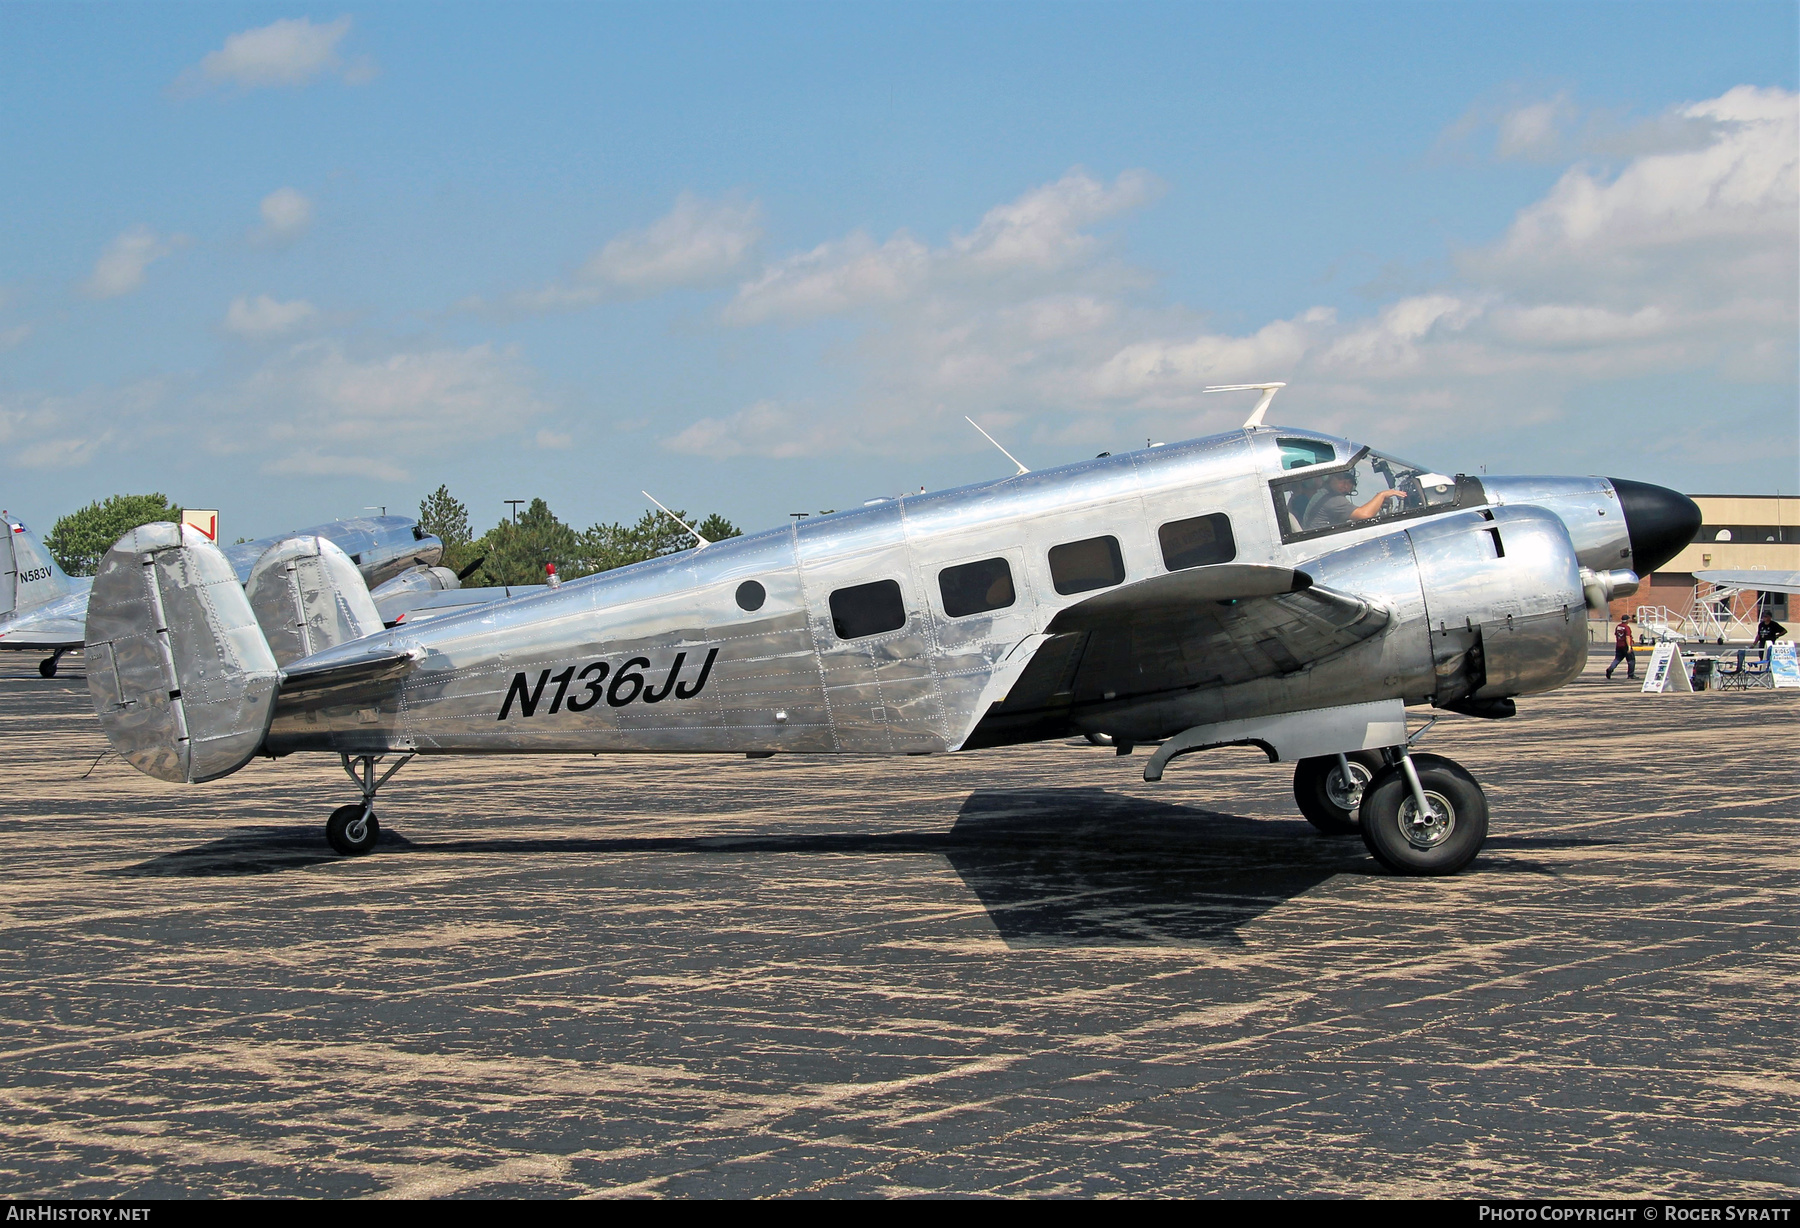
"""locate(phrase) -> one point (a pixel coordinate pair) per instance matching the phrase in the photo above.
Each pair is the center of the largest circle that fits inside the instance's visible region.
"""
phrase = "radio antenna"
(678, 520)
(1008, 455)
(1256, 415)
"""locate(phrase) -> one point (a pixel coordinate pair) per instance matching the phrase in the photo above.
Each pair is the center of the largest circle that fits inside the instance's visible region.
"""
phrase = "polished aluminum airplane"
(44, 610)
(1270, 587)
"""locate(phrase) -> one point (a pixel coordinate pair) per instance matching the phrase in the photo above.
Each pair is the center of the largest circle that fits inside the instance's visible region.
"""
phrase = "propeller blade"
(468, 571)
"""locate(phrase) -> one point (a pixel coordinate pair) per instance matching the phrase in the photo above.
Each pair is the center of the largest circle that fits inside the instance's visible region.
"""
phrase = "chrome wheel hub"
(1427, 831)
(1347, 795)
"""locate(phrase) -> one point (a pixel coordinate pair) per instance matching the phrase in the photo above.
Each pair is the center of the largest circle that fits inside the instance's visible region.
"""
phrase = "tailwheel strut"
(353, 829)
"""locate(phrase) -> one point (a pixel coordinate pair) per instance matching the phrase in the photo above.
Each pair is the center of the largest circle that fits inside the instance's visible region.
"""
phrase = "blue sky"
(762, 258)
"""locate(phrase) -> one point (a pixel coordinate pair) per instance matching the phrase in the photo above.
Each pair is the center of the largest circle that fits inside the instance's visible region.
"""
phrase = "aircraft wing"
(1763, 581)
(61, 623)
(1204, 627)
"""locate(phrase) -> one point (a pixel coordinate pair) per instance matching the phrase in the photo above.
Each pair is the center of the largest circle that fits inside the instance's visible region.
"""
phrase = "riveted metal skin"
(660, 657)
(1588, 507)
(308, 596)
(181, 677)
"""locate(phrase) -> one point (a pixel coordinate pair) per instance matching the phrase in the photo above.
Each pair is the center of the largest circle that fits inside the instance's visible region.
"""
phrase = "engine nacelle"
(1504, 601)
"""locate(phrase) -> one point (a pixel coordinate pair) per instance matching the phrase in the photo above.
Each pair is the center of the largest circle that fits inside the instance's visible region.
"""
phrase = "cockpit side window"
(1370, 489)
(1299, 453)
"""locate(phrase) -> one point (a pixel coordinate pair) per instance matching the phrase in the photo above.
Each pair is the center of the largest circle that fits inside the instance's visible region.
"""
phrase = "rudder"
(182, 679)
(308, 596)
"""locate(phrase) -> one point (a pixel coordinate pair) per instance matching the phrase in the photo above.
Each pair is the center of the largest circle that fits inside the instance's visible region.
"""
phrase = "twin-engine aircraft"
(43, 609)
(1271, 587)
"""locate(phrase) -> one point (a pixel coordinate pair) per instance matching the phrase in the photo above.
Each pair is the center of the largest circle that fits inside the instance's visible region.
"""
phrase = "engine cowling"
(1503, 596)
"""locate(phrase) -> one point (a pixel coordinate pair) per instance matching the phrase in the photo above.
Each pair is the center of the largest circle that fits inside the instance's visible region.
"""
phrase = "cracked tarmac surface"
(1018, 971)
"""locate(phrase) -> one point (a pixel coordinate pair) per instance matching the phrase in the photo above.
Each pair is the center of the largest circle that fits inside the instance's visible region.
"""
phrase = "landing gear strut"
(1329, 789)
(1423, 814)
(47, 667)
(352, 830)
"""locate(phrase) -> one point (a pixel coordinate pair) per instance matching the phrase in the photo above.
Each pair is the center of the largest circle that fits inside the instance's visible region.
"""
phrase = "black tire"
(1321, 797)
(47, 667)
(338, 828)
(1442, 848)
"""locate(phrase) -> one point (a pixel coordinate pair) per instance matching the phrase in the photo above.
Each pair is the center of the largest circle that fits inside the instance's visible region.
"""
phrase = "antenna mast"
(1256, 415)
(678, 520)
(1008, 455)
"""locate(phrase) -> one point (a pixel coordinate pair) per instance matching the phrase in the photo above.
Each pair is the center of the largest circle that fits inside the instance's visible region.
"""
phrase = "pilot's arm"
(1372, 508)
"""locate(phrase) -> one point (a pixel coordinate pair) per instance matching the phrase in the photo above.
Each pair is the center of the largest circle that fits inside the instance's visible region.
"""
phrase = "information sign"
(1784, 665)
(1667, 672)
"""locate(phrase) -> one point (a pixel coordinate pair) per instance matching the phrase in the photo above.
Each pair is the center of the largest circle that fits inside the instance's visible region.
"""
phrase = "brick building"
(1737, 532)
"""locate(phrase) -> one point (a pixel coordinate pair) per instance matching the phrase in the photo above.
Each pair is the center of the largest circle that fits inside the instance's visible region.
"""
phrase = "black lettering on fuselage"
(528, 699)
(578, 690)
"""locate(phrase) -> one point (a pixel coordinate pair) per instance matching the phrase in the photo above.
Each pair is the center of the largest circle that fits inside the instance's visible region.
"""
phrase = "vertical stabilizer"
(181, 677)
(308, 596)
(31, 577)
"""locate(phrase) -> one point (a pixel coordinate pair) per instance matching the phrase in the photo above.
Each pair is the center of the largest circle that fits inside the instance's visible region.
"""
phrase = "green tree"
(715, 528)
(444, 517)
(515, 553)
(79, 540)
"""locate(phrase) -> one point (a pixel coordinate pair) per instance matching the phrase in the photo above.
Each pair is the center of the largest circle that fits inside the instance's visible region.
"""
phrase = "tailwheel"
(1440, 837)
(47, 667)
(1329, 789)
(353, 829)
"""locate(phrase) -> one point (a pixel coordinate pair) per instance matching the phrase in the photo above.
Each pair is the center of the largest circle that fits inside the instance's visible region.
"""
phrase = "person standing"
(1768, 630)
(1622, 649)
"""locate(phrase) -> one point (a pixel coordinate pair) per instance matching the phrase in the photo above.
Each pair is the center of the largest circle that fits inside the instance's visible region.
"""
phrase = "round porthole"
(751, 595)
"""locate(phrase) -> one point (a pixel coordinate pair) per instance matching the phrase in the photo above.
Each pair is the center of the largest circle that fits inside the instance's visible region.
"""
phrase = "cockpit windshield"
(1370, 489)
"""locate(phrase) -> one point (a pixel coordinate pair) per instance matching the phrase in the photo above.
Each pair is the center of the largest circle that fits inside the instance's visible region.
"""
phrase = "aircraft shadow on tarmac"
(1052, 867)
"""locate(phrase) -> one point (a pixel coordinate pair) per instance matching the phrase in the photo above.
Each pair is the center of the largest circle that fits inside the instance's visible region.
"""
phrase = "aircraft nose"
(1660, 522)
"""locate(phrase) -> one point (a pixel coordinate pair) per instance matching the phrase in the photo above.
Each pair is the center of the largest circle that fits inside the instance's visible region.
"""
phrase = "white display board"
(1784, 664)
(1667, 672)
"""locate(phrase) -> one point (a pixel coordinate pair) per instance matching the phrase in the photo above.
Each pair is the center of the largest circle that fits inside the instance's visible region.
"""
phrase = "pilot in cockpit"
(1333, 508)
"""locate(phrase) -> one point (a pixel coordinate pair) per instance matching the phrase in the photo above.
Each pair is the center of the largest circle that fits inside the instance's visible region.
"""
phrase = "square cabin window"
(867, 609)
(1198, 542)
(1077, 567)
(975, 588)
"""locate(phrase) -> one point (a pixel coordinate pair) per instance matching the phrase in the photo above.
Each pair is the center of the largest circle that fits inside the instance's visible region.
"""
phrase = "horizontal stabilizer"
(182, 680)
(337, 671)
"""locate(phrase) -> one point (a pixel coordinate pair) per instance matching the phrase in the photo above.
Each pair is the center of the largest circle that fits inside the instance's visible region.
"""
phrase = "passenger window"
(1076, 567)
(973, 588)
(1299, 453)
(1198, 542)
(867, 609)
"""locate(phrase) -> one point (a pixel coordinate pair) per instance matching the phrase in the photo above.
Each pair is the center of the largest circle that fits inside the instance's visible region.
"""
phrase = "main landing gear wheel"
(353, 829)
(1439, 840)
(1326, 798)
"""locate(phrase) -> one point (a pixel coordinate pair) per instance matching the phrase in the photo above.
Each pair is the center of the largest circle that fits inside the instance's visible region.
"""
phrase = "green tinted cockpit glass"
(1299, 453)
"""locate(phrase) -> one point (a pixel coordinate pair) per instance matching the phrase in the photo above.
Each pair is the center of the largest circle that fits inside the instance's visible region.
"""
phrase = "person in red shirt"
(1622, 649)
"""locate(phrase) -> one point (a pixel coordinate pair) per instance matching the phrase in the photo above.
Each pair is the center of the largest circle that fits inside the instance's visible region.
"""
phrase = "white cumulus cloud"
(265, 317)
(1677, 257)
(318, 408)
(699, 242)
(286, 215)
(290, 52)
(1032, 240)
(121, 267)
